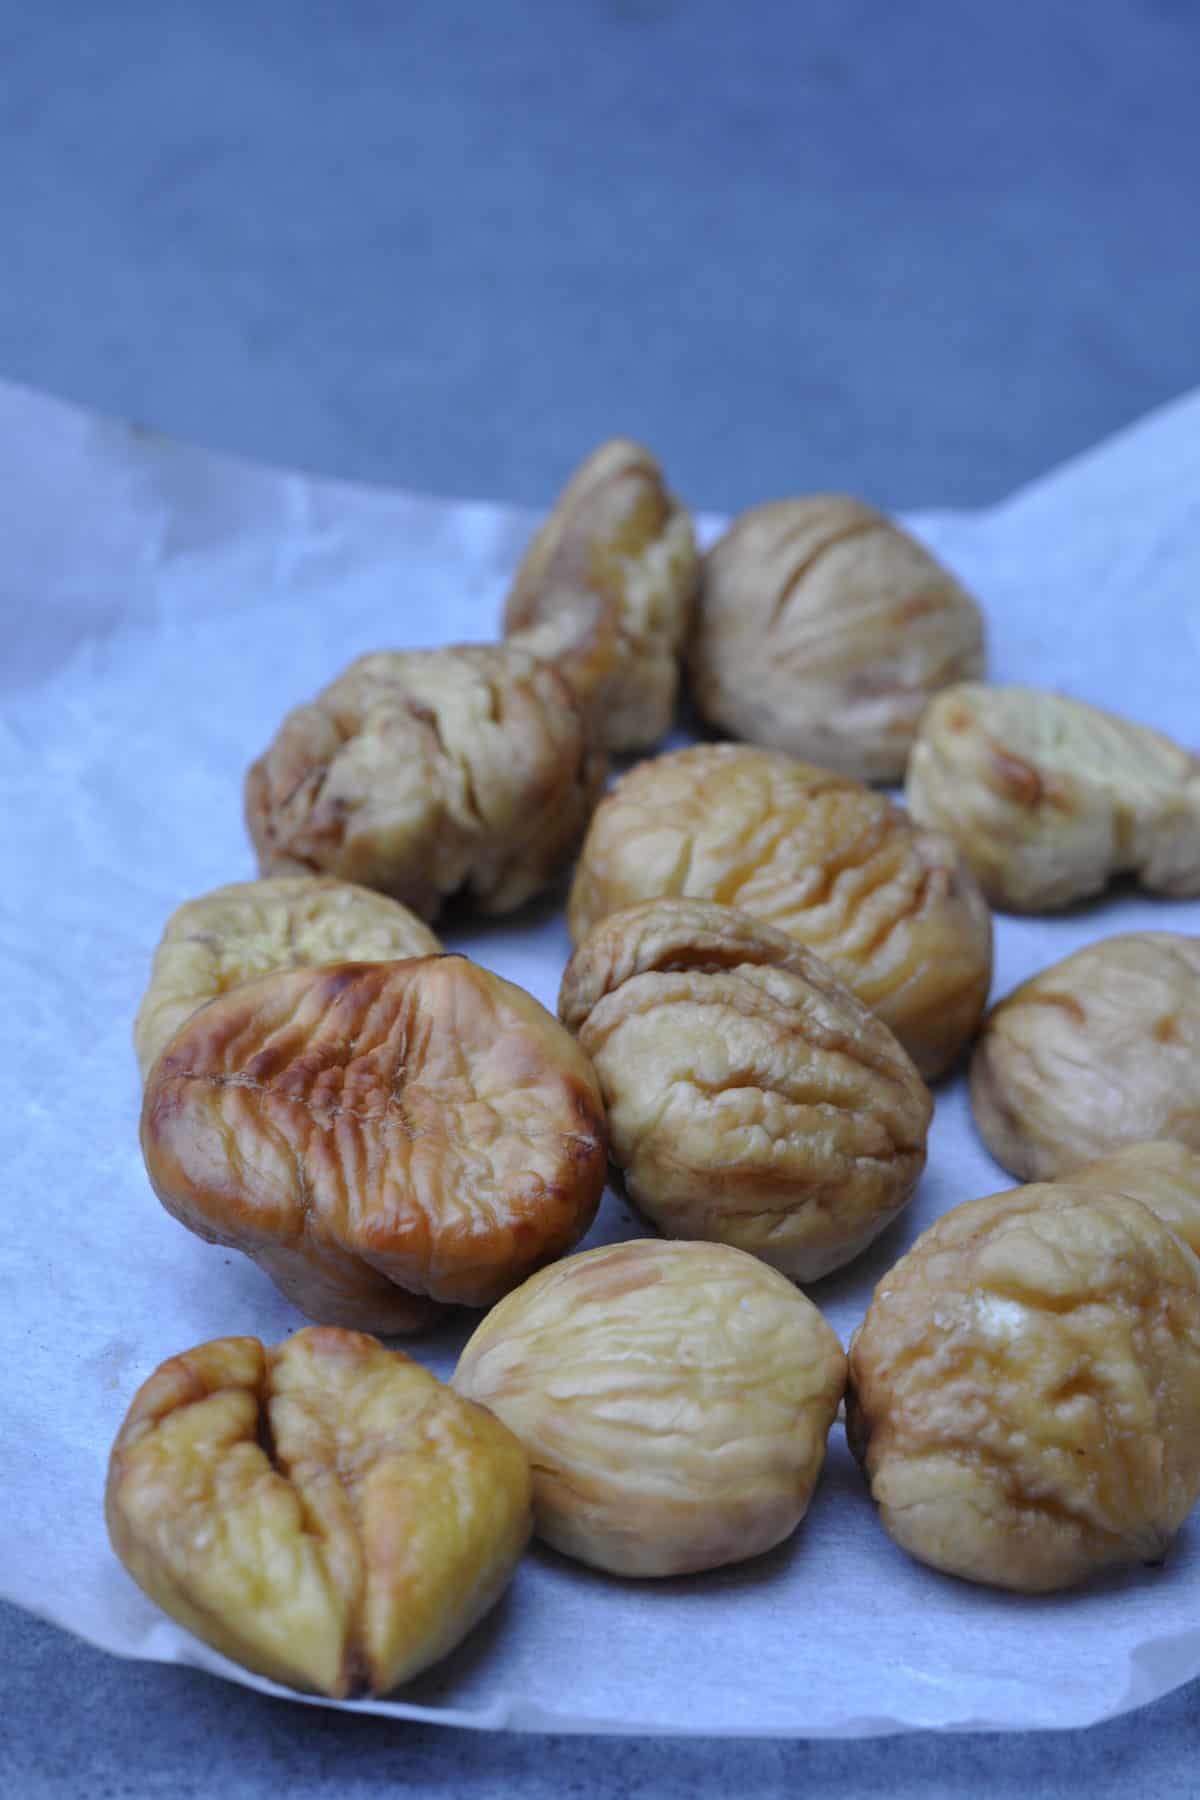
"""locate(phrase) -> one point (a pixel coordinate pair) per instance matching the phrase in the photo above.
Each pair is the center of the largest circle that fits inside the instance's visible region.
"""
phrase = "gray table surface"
(920, 252)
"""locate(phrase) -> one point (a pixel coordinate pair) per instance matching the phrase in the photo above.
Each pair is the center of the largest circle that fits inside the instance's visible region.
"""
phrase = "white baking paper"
(162, 609)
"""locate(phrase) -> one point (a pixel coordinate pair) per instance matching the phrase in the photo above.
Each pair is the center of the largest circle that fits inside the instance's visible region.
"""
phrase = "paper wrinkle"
(165, 607)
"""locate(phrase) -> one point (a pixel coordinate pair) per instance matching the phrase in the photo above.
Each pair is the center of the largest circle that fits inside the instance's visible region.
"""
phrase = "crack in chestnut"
(804, 568)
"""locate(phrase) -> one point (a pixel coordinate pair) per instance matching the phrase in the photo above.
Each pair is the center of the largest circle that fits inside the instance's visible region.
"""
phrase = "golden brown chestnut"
(751, 1099)
(248, 928)
(605, 592)
(1025, 1388)
(382, 1138)
(429, 774)
(894, 911)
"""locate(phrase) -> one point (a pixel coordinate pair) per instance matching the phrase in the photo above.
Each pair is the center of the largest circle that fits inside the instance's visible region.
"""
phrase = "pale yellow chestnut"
(823, 629)
(674, 1400)
(326, 1513)
(1049, 799)
(248, 928)
(1163, 1175)
(1098, 1051)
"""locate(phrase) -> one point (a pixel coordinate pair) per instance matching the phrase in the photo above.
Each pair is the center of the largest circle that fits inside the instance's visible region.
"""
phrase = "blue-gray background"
(919, 251)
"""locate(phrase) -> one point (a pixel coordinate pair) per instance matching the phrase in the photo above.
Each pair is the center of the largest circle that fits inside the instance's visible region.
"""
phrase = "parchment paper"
(162, 609)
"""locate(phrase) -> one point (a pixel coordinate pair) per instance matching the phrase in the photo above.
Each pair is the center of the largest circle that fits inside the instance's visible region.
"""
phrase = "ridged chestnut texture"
(251, 927)
(823, 630)
(605, 591)
(894, 911)
(1025, 1389)
(1165, 1176)
(751, 1099)
(674, 1400)
(380, 1137)
(1049, 799)
(1098, 1051)
(325, 1513)
(428, 774)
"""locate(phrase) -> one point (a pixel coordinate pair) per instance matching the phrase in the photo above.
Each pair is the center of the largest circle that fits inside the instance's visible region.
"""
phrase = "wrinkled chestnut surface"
(894, 911)
(1164, 1176)
(1100, 1050)
(823, 630)
(674, 1400)
(326, 1513)
(251, 927)
(1025, 1388)
(605, 592)
(379, 1137)
(427, 774)
(1049, 799)
(751, 1099)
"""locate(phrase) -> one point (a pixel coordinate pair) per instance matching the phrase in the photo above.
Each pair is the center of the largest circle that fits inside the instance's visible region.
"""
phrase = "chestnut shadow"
(460, 919)
(857, 1279)
(1121, 887)
(443, 1339)
(690, 722)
